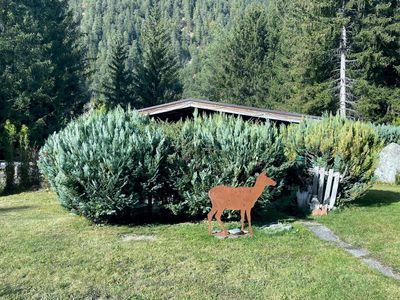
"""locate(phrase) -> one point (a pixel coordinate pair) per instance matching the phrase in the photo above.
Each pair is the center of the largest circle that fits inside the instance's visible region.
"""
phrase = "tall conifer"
(240, 63)
(376, 52)
(156, 78)
(118, 90)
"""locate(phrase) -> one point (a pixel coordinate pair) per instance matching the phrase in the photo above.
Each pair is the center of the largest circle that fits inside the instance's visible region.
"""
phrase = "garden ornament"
(320, 211)
(236, 198)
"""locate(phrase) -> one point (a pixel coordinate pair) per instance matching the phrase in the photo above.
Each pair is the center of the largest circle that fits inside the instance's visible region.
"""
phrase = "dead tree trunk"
(342, 93)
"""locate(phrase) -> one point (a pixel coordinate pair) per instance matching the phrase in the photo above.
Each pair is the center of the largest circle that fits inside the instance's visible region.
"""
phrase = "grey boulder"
(389, 164)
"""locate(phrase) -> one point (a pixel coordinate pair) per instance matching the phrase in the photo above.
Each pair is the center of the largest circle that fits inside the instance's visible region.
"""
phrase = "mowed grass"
(372, 222)
(47, 253)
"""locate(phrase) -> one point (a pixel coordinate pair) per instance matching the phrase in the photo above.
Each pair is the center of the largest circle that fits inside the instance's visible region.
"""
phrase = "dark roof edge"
(191, 102)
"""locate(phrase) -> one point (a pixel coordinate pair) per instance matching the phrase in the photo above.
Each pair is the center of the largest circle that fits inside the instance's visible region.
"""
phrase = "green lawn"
(45, 252)
(373, 222)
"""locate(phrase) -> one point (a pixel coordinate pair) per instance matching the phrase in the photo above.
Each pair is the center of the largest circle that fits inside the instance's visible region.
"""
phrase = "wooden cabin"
(183, 109)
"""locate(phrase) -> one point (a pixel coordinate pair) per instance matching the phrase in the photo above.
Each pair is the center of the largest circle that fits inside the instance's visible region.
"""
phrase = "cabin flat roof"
(185, 106)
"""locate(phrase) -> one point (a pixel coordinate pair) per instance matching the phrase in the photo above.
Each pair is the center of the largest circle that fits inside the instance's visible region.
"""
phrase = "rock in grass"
(276, 228)
(389, 164)
(134, 237)
(233, 234)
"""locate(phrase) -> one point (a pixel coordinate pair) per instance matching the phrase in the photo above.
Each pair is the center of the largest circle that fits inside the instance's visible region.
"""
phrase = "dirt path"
(325, 234)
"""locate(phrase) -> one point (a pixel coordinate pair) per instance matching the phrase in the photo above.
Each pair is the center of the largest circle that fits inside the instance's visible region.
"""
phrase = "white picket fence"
(324, 188)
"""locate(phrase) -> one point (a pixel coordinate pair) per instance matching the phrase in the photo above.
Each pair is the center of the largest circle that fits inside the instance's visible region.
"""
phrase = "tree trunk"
(342, 94)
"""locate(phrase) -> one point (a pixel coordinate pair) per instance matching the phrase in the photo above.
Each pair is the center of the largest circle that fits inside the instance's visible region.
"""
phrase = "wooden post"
(332, 200)
(315, 181)
(328, 187)
(321, 174)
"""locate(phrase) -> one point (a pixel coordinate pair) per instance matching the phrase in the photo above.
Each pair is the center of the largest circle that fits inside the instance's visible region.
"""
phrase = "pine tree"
(376, 51)
(67, 55)
(156, 78)
(43, 83)
(26, 83)
(118, 90)
(240, 63)
(304, 55)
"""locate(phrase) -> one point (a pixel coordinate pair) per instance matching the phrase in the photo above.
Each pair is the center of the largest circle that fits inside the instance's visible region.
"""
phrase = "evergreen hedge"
(104, 165)
(349, 147)
(107, 165)
(219, 149)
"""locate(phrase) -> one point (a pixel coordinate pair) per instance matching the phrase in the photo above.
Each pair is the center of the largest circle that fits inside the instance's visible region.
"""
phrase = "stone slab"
(134, 237)
(389, 164)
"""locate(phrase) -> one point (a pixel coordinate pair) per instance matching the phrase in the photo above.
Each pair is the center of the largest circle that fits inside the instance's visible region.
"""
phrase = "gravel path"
(325, 234)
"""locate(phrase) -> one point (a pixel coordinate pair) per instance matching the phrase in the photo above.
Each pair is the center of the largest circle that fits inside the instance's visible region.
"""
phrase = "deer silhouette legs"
(210, 216)
(242, 212)
(218, 217)
(218, 214)
(248, 215)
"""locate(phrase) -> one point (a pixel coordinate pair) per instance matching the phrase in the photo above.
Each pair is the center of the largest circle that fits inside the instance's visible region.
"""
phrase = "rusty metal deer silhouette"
(236, 198)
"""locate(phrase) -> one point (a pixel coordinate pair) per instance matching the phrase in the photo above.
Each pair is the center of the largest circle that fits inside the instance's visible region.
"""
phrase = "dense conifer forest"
(59, 58)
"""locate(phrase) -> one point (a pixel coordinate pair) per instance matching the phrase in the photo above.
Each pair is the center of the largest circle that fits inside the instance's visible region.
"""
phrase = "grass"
(373, 222)
(48, 253)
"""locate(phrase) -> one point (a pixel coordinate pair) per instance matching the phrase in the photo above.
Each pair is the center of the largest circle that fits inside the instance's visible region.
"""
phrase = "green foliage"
(375, 48)
(24, 151)
(156, 78)
(304, 35)
(388, 133)
(107, 165)
(104, 165)
(10, 132)
(220, 149)
(189, 25)
(352, 148)
(240, 63)
(42, 82)
(118, 89)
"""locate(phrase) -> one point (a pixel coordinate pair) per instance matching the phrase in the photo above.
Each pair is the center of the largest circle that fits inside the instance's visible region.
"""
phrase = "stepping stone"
(275, 228)
(325, 234)
(233, 234)
(134, 237)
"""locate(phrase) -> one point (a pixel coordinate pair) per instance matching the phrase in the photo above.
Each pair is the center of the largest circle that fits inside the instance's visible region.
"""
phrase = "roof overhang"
(183, 108)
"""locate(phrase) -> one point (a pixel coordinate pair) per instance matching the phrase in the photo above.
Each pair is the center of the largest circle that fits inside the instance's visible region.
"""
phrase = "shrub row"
(106, 166)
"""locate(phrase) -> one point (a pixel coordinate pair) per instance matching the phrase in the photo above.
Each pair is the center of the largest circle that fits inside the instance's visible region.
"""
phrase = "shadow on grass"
(14, 208)
(378, 198)
(267, 215)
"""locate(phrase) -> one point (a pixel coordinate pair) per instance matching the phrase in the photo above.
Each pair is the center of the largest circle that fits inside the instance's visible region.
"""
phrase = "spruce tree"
(376, 52)
(240, 63)
(118, 90)
(26, 83)
(304, 56)
(156, 78)
(43, 82)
